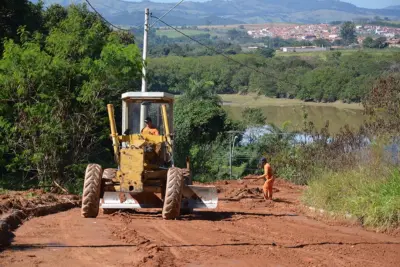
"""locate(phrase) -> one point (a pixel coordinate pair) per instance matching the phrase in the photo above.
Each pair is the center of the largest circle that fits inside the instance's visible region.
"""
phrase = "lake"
(279, 111)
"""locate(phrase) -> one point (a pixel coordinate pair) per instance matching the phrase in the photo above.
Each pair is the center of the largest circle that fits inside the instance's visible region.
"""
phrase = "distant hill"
(223, 12)
(393, 7)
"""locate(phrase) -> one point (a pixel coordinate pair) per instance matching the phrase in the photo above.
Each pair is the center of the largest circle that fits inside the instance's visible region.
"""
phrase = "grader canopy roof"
(151, 96)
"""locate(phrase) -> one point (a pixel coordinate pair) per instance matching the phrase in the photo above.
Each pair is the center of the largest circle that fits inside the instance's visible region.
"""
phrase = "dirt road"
(243, 231)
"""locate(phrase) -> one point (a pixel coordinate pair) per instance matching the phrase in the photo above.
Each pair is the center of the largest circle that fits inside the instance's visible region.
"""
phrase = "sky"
(373, 3)
(359, 3)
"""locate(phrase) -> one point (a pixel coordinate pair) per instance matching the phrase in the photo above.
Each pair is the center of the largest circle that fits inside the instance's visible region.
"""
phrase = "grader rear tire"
(91, 191)
(173, 194)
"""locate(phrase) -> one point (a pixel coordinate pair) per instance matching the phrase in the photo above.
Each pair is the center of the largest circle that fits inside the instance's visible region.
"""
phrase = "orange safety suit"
(269, 183)
(150, 131)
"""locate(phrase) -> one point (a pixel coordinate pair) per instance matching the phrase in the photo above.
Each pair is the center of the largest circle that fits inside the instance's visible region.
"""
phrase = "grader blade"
(193, 197)
(119, 200)
(200, 197)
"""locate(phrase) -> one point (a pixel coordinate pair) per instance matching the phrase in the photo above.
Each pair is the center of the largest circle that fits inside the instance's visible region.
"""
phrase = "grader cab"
(146, 176)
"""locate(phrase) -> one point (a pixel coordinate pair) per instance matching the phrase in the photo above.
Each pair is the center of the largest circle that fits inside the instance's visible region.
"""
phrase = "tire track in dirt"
(175, 240)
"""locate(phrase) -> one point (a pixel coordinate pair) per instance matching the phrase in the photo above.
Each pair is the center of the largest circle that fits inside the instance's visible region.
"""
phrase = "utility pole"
(232, 137)
(232, 146)
(143, 108)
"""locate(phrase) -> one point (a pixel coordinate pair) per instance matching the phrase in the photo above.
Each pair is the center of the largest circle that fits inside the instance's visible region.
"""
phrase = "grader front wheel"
(173, 194)
(91, 191)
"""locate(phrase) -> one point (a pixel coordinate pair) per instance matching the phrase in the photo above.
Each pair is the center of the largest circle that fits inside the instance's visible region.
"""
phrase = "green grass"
(252, 100)
(174, 34)
(31, 195)
(324, 54)
(3, 191)
(373, 196)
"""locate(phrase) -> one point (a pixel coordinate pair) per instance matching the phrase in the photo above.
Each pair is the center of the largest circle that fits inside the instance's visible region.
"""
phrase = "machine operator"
(150, 128)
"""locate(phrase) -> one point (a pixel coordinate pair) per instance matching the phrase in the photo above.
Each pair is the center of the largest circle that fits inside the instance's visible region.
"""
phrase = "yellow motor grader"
(146, 176)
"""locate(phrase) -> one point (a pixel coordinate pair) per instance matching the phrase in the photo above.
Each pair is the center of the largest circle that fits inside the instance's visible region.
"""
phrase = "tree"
(382, 105)
(253, 116)
(348, 32)
(368, 42)
(198, 119)
(53, 15)
(379, 43)
(334, 58)
(322, 42)
(266, 52)
(17, 13)
(234, 34)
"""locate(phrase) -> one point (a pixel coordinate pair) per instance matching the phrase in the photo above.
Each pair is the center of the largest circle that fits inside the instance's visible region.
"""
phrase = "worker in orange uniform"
(270, 179)
(150, 128)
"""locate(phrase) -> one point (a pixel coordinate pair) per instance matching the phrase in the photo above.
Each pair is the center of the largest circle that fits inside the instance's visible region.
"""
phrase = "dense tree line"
(336, 77)
(55, 83)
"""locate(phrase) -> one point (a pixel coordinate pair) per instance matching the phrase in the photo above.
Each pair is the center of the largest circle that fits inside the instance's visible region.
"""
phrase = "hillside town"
(322, 31)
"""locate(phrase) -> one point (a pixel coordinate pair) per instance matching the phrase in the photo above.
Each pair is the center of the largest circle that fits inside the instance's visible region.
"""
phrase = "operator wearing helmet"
(150, 129)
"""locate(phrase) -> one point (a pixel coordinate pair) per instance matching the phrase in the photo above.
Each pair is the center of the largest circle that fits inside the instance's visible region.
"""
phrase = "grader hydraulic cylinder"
(114, 133)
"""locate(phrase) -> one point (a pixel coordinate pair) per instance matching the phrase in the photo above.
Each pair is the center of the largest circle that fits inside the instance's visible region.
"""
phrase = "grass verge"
(373, 196)
(252, 100)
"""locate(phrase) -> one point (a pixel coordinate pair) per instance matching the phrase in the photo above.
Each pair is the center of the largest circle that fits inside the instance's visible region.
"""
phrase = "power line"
(105, 20)
(217, 52)
(166, 13)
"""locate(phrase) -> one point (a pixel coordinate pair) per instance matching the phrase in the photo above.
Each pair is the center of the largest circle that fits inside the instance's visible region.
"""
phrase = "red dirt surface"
(245, 230)
(25, 200)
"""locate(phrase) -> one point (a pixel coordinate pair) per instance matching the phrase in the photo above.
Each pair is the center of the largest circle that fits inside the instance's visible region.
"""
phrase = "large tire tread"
(173, 194)
(91, 191)
(109, 174)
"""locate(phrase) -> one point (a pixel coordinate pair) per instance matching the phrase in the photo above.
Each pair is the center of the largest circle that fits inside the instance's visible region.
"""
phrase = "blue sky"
(360, 3)
(374, 3)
